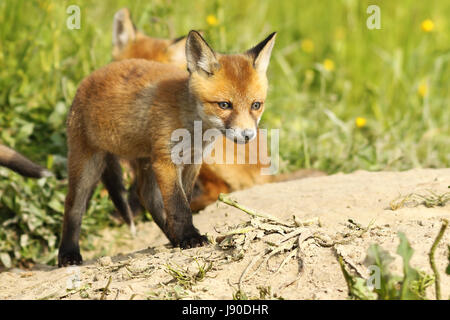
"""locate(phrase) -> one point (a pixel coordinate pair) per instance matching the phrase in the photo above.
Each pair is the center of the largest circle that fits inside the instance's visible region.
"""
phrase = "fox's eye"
(224, 105)
(256, 105)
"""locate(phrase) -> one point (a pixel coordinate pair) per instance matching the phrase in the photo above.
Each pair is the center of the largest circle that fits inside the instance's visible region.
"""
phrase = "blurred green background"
(344, 97)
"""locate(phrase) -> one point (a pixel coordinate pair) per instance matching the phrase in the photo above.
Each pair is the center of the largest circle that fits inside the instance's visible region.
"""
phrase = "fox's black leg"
(133, 196)
(133, 200)
(178, 227)
(84, 173)
(112, 179)
(148, 191)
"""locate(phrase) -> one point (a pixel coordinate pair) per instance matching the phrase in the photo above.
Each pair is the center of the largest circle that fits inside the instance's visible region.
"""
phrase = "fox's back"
(114, 102)
(118, 82)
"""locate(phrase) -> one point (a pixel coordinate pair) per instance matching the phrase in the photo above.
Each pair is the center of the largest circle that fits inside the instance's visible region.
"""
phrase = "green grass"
(377, 75)
(383, 285)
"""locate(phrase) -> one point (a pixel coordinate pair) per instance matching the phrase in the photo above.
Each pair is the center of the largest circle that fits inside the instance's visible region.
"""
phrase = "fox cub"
(128, 43)
(129, 109)
(214, 178)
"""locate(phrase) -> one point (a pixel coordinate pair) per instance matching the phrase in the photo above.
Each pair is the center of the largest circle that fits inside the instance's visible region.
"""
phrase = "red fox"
(129, 109)
(128, 43)
(15, 161)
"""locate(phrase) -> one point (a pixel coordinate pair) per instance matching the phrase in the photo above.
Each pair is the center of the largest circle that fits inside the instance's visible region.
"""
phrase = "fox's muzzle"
(239, 135)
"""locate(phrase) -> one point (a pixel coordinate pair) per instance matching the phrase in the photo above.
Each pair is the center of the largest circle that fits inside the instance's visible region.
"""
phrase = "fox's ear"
(177, 51)
(124, 30)
(261, 53)
(199, 55)
(201, 32)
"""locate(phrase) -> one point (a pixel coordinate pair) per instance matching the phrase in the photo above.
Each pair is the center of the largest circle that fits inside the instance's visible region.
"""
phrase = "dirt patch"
(260, 257)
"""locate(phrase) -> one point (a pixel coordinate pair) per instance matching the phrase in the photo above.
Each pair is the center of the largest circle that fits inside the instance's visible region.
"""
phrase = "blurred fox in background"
(213, 179)
(15, 161)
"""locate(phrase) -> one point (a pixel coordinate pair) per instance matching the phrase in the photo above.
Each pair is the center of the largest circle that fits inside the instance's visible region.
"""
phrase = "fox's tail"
(15, 161)
(299, 174)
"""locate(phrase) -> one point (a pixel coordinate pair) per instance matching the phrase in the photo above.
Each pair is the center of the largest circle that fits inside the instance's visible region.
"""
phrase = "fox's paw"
(69, 258)
(193, 240)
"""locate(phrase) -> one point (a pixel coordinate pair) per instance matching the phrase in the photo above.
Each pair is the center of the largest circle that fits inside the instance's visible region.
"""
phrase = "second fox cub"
(129, 109)
(128, 43)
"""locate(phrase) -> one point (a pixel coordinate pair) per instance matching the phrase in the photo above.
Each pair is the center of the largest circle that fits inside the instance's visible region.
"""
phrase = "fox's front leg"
(179, 227)
(189, 175)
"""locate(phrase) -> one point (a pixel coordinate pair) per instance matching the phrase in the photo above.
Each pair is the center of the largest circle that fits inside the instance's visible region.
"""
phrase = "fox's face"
(230, 89)
(130, 43)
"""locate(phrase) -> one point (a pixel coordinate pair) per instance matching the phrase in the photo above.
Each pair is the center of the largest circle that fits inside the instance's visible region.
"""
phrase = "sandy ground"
(304, 268)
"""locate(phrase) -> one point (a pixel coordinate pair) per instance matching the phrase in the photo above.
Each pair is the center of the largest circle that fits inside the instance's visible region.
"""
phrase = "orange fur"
(130, 109)
(213, 178)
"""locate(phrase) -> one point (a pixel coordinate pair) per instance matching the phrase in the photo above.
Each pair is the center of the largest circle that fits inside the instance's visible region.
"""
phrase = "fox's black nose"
(248, 134)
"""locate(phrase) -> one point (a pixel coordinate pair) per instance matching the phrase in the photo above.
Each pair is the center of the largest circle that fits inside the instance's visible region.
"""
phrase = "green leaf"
(357, 287)
(25, 131)
(360, 290)
(58, 116)
(56, 205)
(409, 274)
(380, 258)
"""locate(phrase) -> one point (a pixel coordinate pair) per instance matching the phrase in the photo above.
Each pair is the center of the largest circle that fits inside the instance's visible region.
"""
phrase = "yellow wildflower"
(307, 45)
(422, 89)
(212, 20)
(328, 64)
(360, 122)
(427, 25)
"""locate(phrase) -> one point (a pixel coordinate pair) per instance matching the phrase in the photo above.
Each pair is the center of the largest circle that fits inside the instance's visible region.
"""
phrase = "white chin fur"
(216, 122)
(236, 138)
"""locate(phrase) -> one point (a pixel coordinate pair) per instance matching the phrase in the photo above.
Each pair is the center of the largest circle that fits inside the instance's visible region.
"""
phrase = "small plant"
(383, 285)
(430, 200)
(31, 214)
(240, 295)
(265, 293)
(185, 278)
(183, 281)
(176, 292)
